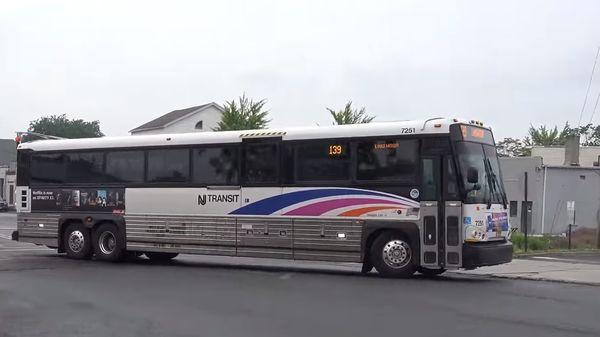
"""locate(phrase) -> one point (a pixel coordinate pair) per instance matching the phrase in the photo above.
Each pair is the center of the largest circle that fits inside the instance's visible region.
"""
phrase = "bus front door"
(441, 230)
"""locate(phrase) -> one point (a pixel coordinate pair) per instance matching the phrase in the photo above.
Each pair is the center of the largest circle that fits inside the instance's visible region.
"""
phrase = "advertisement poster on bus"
(83, 199)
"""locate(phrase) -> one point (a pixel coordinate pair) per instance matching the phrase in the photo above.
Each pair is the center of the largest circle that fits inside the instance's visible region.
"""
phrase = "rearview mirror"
(472, 175)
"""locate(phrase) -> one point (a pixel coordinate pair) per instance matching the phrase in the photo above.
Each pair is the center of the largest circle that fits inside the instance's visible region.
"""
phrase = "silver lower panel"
(38, 228)
(302, 239)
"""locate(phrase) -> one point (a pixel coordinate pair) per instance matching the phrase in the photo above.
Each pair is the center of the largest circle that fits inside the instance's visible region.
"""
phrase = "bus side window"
(322, 161)
(215, 165)
(168, 165)
(125, 166)
(261, 163)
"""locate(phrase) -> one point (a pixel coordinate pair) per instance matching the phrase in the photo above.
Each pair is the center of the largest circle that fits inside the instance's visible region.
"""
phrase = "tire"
(161, 257)
(77, 242)
(430, 272)
(392, 255)
(108, 243)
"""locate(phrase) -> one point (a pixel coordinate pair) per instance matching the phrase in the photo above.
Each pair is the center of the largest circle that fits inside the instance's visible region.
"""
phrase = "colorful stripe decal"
(318, 208)
(365, 210)
(318, 201)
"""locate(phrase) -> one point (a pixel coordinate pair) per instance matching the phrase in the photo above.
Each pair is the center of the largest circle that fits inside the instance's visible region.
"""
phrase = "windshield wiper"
(495, 184)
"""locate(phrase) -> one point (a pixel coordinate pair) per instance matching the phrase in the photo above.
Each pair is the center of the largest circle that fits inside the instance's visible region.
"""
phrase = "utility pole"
(526, 212)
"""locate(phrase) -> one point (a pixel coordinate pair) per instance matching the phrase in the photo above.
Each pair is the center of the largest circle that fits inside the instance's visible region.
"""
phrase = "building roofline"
(199, 109)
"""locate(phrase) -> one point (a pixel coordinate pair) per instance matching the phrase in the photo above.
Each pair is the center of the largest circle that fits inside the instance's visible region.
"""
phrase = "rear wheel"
(430, 272)
(392, 255)
(161, 257)
(77, 241)
(108, 244)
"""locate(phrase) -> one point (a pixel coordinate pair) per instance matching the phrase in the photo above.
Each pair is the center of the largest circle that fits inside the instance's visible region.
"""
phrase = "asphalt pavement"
(43, 293)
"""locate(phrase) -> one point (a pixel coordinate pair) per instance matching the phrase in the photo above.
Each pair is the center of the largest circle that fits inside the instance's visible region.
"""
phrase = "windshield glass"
(480, 159)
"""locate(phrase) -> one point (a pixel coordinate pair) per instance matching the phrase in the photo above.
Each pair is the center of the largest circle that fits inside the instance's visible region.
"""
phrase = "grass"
(581, 240)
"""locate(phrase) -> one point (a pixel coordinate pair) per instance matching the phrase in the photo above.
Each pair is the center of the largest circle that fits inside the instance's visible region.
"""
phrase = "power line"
(595, 107)
(588, 88)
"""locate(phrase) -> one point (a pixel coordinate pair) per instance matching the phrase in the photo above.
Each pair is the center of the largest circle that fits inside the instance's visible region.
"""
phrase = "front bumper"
(486, 254)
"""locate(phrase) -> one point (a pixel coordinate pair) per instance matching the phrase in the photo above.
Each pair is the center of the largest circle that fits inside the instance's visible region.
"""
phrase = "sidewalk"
(569, 269)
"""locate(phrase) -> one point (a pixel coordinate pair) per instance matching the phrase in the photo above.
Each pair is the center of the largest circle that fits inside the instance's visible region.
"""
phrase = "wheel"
(430, 272)
(392, 255)
(160, 257)
(108, 243)
(77, 241)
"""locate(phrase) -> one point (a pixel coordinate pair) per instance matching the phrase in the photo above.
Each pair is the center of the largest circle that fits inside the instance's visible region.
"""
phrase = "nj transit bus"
(401, 197)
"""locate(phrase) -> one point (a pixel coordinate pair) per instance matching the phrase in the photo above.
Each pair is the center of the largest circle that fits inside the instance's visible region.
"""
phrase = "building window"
(513, 208)
(199, 125)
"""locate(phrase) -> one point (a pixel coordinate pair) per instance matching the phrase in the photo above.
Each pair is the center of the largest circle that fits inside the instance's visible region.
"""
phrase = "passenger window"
(125, 166)
(215, 166)
(171, 165)
(323, 161)
(430, 180)
(47, 168)
(85, 167)
(387, 160)
(513, 208)
(261, 163)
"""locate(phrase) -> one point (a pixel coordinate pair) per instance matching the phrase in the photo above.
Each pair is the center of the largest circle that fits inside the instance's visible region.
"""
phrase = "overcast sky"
(507, 63)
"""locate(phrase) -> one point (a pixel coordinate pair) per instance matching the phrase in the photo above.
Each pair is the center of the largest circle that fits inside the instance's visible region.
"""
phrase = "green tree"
(514, 147)
(245, 114)
(349, 115)
(61, 126)
(543, 136)
(589, 134)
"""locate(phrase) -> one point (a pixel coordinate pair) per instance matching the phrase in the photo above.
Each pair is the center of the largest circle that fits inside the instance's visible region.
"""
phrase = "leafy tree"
(543, 136)
(61, 126)
(245, 114)
(514, 147)
(349, 115)
(589, 134)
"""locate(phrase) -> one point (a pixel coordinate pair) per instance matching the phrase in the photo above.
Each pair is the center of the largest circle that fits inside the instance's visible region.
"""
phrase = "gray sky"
(507, 63)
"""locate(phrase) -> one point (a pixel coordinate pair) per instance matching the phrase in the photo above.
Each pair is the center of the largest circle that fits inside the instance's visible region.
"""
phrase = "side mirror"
(472, 175)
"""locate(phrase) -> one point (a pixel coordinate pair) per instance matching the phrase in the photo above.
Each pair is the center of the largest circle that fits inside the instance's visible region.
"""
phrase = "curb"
(530, 278)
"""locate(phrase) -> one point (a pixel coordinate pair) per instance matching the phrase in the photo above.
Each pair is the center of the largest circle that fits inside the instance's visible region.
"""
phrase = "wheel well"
(410, 232)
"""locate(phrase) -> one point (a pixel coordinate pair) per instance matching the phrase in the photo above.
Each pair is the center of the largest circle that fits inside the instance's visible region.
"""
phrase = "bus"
(401, 197)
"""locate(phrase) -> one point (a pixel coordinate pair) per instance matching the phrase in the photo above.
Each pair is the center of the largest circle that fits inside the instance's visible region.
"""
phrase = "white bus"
(401, 196)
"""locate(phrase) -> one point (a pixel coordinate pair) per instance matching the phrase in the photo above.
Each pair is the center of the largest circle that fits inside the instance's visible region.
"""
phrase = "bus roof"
(429, 126)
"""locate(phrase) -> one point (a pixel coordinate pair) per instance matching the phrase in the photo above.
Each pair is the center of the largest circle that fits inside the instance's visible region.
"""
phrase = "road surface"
(43, 293)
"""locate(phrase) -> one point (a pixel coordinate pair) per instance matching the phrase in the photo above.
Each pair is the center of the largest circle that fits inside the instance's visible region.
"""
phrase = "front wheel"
(392, 255)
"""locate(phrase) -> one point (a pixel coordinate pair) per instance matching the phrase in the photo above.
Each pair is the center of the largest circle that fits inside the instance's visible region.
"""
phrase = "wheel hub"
(76, 241)
(396, 253)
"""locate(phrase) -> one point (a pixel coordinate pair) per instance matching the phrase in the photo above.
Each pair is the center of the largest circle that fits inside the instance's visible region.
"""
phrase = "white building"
(8, 158)
(195, 119)
(555, 155)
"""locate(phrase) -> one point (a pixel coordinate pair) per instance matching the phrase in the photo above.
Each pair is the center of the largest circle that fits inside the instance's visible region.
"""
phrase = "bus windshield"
(480, 170)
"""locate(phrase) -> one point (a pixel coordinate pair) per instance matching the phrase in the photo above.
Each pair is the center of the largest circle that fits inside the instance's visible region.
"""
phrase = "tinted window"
(323, 161)
(261, 163)
(215, 166)
(452, 180)
(125, 166)
(84, 167)
(387, 160)
(430, 178)
(47, 169)
(172, 165)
